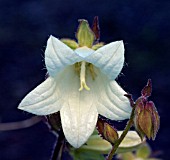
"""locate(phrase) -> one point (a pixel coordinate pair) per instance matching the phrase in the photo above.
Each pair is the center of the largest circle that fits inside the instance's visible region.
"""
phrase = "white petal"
(78, 114)
(111, 101)
(58, 56)
(109, 59)
(43, 100)
(84, 51)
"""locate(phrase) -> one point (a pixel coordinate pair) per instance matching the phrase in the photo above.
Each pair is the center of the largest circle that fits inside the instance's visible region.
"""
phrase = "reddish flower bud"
(110, 133)
(100, 126)
(146, 119)
(138, 110)
(96, 28)
(155, 118)
(139, 105)
(107, 132)
(147, 90)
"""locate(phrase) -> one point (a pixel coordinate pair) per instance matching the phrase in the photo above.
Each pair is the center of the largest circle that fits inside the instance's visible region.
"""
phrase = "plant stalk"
(127, 128)
(58, 149)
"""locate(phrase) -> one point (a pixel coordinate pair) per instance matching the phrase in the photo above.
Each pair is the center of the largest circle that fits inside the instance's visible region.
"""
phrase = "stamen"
(91, 68)
(77, 67)
(82, 77)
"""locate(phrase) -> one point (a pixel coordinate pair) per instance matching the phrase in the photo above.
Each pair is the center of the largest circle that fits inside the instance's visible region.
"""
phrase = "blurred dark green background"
(24, 29)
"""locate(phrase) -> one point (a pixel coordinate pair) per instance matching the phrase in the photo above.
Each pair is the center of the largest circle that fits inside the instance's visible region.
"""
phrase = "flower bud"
(85, 35)
(147, 121)
(100, 126)
(155, 118)
(144, 121)
(147, 90)
(146, 118)
(96, 28)
(108, 132)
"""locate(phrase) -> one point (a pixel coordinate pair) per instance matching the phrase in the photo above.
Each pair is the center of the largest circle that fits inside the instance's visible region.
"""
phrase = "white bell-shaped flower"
(80, 97)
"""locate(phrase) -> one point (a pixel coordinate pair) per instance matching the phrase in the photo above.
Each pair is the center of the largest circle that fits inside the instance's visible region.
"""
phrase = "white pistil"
(82, 77)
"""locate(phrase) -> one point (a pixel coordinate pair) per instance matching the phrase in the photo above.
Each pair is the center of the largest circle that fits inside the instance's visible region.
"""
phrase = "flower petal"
(84, 51)
(58, 56)
(78, 114)
(43, 100)
(109, 59)
(49, 96)
(111, 101)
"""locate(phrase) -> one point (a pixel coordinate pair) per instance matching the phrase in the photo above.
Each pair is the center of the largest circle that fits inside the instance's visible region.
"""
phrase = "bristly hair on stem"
(127, 128)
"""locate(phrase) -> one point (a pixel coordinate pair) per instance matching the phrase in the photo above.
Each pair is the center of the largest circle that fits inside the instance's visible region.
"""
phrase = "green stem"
(127, 128)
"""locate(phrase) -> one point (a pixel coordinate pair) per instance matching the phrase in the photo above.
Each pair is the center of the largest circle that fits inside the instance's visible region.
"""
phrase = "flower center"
(81, 69)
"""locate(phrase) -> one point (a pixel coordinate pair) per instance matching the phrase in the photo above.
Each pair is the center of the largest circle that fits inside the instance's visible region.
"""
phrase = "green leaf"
(144, 151)
(127, 156)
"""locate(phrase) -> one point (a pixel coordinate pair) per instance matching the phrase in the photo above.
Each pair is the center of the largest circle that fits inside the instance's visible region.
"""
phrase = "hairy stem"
(127, 128)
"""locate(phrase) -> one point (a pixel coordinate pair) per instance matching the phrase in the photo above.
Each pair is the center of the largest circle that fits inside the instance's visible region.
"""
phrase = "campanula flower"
(81, 85)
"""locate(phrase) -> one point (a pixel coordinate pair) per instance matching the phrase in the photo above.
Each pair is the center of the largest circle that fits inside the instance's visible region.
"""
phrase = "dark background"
(24, 29)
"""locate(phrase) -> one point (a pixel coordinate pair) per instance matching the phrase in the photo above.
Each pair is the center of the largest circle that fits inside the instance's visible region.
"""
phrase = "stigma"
(83, 84)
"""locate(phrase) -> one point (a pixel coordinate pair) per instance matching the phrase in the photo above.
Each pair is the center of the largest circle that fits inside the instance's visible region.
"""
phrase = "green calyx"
(71, 43)
(85, 35)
